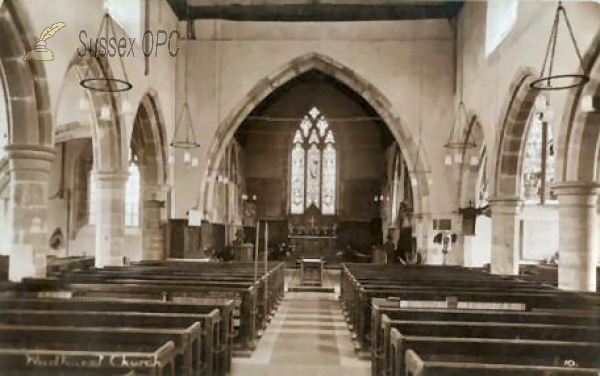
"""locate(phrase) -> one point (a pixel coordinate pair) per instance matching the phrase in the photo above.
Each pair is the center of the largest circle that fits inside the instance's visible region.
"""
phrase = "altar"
(313, 236)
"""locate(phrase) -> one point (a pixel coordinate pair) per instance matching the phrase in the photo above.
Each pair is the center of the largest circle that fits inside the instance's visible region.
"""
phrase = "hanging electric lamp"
(458, 140)
(549, 80)
(187, 140)
(106, 84)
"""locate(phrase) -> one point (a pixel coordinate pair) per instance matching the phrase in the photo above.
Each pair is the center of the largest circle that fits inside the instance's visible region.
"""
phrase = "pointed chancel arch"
(314, 61)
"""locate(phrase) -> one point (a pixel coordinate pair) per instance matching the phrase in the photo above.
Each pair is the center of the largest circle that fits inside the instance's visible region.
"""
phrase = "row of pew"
(444, 320)
(55, 266)
(165, 318)
(546, 274)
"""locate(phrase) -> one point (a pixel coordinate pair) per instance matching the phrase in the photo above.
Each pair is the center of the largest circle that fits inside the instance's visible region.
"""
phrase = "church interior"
(299, 187)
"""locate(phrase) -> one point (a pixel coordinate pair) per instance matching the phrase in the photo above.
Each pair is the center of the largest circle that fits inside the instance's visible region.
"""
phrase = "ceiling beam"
(312, 12)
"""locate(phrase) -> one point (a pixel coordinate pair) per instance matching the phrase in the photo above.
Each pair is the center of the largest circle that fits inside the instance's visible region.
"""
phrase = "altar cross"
(312, 222)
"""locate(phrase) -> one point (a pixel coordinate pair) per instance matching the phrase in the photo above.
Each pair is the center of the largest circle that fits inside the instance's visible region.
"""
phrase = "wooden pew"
(381, 330)
(485, 352)
(440, 284)
(509, 331)
(35, 353)
(54, 371)
(437, 365)
(243, 297)
(187, 273)
(267, 294)
(224, 350)
(187, 341)
(553, 301)
(272, 281)
(545, 274)
(205, 364)
(59, 265)
(264, 309)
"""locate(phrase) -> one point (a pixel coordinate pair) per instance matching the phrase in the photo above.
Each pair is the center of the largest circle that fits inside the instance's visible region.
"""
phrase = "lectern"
(311, 271)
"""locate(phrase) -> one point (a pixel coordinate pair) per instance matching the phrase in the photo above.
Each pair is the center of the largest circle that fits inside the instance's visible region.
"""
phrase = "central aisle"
(308, 336)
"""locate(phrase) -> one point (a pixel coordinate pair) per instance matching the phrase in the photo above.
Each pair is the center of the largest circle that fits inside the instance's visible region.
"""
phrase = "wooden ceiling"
(314, 10)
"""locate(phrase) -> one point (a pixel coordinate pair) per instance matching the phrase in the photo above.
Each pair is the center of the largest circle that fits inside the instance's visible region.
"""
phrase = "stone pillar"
(29, 170)
(578, 236)
(110, 218)
(505, 236)
(154, 224)
(421, 225)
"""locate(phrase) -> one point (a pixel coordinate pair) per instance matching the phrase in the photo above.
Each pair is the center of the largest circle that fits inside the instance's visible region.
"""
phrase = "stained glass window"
(313, 165)
(305, 125)
(313, 176)
(538, 138)
(329, 175)
(298, 156)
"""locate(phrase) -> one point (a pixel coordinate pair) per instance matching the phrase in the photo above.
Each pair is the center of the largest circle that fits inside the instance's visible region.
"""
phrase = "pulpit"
(313, 235)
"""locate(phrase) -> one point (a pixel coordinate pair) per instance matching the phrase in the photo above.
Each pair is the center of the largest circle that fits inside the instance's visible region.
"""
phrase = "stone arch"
(70, 120)
(581, 135)
(148, 139)
(26, 87)
(106, 133)
(29, 150)
(110, 158)
(511, 138)
(344, 74)
(149, 129)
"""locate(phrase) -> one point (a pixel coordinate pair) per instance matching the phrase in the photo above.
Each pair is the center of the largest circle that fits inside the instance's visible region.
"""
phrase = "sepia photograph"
(299, 188)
